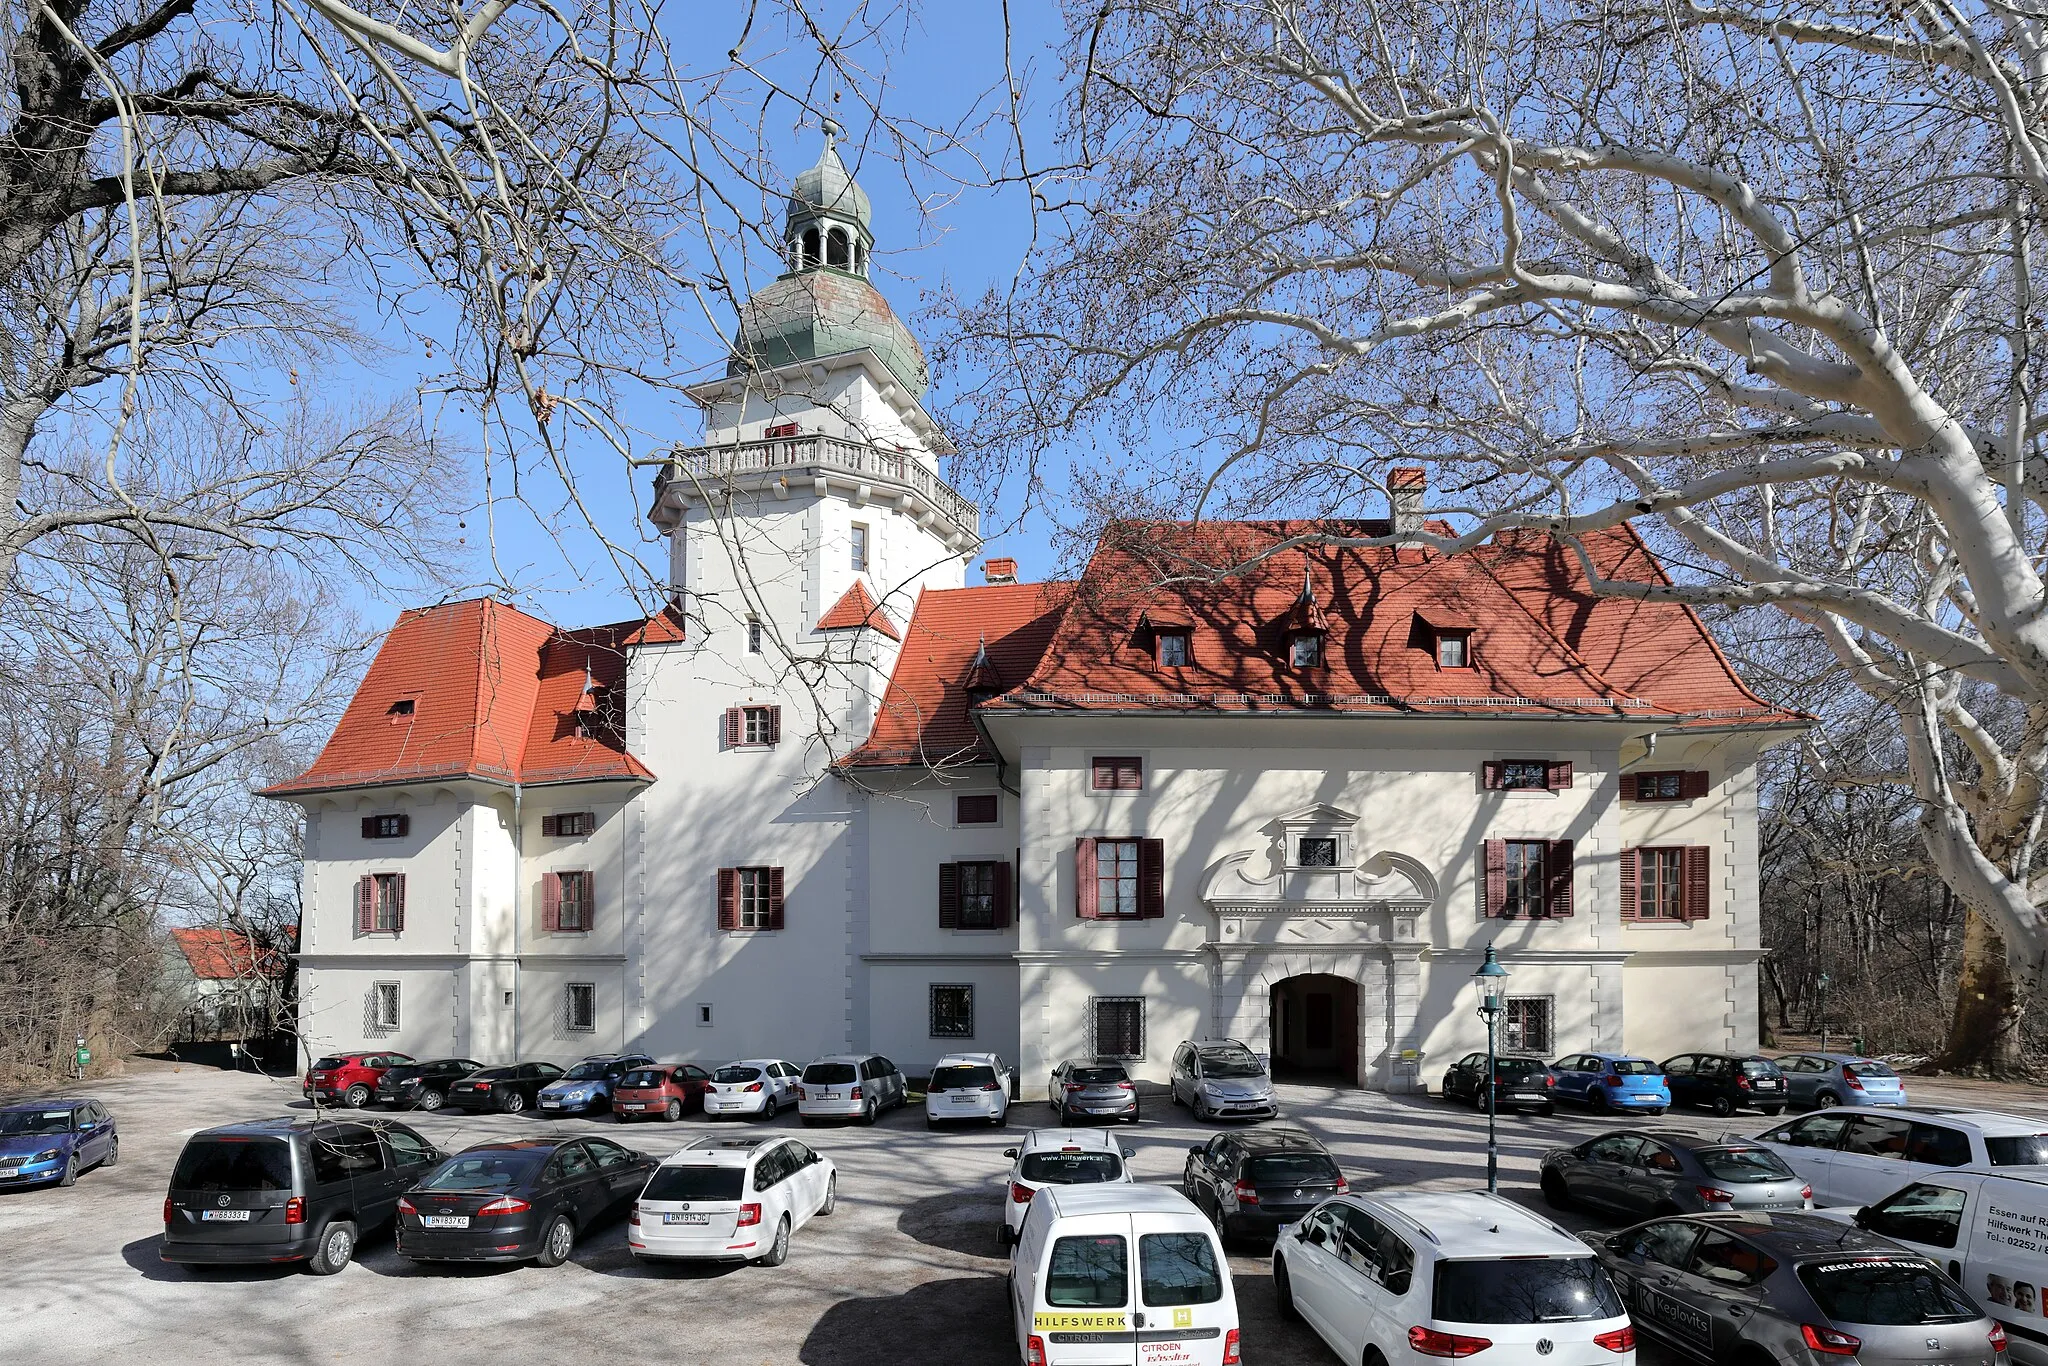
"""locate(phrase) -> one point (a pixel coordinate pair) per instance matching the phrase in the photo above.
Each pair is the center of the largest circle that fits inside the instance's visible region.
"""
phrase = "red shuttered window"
(1527, 879)
(752, 727)
(1120, 879)
(1671, 786)
(975, 895)
(1526, 775)
(568, 901)
(1116, 773)
(750, 899)
(389, 827)
(1667, 885)
(380, 903)
(982, 808)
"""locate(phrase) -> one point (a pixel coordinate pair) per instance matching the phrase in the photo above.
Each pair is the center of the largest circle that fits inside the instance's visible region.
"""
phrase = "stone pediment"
(1252, 882)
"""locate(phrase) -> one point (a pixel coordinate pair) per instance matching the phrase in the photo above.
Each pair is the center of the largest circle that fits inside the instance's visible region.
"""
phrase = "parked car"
(348, 1078)
(669, 1089)
(1821, 1081)
(55, 1140)
(1518, 1083)
(586, 1088)
(1411, 1276)
(1121, 1263)
(850, 1086)
(1967, 1222)
(1222, 1079)
(1793, 1288)
(1048, 1157)
(968, 1086)
(1725, 1082)
(289, 1190)
(1663, 1171)
(527, 1200)
(760, 1087)
(1083, 1089)
(1252, 1183)
(1853, 1158)
(422, 1085)
(732, 1199)
(507, 1089)
(1612, 1081)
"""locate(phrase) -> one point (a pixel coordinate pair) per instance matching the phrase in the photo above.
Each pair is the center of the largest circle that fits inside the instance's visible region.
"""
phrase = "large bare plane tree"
(1758, 278)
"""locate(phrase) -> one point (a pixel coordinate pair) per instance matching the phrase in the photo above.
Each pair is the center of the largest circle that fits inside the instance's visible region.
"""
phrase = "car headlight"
(47, 1155)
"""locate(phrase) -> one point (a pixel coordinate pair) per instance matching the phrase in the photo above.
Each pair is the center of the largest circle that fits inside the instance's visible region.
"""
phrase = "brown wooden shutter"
(398, 903)
(774, 898)
(1151, 879)
(1130, 776)
(366, 904)
(1560, 775)
(949, 896)
(728, 898)
(1085, 890)
(1557, 877)
(588, 908)
(551, 901)
(735, 726)
(548, 827)
(774, 725)
(1494, 882)
(1103, 778)
(1694, 784)
(1695, 891)
(369, 827)
(1631, 862)
(1004, 892)
(1489, 775)
(404, 826)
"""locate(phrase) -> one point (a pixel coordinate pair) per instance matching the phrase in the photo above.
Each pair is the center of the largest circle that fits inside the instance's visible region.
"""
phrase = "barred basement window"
(1318, 851)
(952, 1012)
(580, 1006)
(1117, 1026)
(1526, 1026)
(384, 1005)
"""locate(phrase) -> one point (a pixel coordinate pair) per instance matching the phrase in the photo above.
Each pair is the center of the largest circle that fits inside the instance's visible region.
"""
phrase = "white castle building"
(833, 799)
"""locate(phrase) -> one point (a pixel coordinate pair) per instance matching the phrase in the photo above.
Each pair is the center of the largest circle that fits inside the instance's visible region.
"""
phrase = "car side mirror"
(1127, 1152)
(1009, 1152)
(1197, 1150)
(1863, 1217)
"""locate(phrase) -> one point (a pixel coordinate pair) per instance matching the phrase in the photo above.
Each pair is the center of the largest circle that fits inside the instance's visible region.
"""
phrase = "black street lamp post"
(1492, 981)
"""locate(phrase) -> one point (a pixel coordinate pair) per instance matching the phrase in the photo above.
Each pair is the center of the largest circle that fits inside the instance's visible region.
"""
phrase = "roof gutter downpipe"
(1003, 779)
(518, 903)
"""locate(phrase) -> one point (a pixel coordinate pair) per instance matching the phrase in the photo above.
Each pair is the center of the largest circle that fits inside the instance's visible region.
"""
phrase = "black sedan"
(1252, 1182)
(1518, 1083)
(423, 1085)
(1665, 1171)
(509, 1089)
(526, 1200)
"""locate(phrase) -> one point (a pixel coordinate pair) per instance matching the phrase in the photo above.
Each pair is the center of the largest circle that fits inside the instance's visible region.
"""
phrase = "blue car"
(55, 1140)
(1613, 1081)
(1825, 1080)
(586, 1088)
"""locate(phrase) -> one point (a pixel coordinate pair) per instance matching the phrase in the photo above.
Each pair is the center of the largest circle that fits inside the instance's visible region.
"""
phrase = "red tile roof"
(493, 693)
(923, 718)
(218, 954)
(857, 608)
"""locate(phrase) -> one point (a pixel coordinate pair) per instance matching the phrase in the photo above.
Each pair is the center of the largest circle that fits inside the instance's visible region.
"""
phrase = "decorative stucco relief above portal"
(1317, 881)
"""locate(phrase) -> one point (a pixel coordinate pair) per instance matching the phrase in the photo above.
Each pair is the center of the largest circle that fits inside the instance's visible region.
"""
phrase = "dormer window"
(1454, 650)
(1305, 649)
(1173, 649)
(401, 711)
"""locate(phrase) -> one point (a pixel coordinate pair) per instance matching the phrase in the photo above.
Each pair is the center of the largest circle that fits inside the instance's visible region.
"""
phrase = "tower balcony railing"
(705, 467)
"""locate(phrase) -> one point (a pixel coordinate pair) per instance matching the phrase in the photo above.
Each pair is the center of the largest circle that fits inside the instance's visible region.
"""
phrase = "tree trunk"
(1983, 1034)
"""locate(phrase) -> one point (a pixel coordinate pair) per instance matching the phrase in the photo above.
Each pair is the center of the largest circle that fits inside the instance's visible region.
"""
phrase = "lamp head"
(1492, 981)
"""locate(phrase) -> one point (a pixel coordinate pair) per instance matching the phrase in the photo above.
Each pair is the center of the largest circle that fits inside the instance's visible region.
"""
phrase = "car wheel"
(1546, 1110)
(1283, 1290)
(1771, 1109)
(831, 1194)
(1135, 1113)
(113, 1152)
(867, 1112)
(778, 1251)
(1555, 1193)
(1004, 1235)
(1654, 1111)
(557, 1243)
(1826, 1100)
(514, 1102)
(1478, 1101)
(810, 1121)
(1722, 1106)
(1201, 1110)
(1601, 1101)
(929, 1122)
(69, 1176)
(356, 1097)
(1374, 1357)
(337, 1249)
(431, 1101)
(674, 1112)
(999, 1121)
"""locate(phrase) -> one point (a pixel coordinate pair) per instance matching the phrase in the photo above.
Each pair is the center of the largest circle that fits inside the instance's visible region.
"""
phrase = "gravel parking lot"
(908, 1270)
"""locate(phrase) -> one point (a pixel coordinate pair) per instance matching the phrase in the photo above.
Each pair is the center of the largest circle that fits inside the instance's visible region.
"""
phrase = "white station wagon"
(732, 1200)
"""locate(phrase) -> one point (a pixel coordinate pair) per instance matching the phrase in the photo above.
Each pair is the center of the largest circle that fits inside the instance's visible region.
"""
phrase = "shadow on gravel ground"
(959, 1221)
(916, 1327)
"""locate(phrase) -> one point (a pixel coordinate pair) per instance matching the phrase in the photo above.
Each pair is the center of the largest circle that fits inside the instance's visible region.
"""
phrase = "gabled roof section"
(923, 717)
(855, 609)
(218, 954)
(480, 689)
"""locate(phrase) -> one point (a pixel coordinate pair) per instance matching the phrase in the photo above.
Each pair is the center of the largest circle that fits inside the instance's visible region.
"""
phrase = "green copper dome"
(824, 312)
(828, 188)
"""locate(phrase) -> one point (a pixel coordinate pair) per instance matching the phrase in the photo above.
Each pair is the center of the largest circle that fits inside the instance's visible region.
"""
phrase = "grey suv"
(289, 1190)
(1222, 1079)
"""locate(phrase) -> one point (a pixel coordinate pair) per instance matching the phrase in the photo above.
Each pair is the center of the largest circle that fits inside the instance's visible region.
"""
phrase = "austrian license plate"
(962, 1100)
(1768, 1085)
(444, 1221)
(224, 1216)
(685, 1218)
(8, 1173)
(633, 1105)
(551, 1105)
(1525, 1095)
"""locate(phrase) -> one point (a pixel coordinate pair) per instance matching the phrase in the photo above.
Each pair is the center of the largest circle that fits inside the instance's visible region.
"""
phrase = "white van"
(1853, 1157)
(1117, 1275)
(1989, 1231)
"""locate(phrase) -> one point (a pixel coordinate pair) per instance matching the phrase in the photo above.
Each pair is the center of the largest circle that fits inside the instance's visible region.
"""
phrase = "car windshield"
(1088, 1273)
(1231, 1062)
(1070, 1169)
(731, 1075)
(2017, 1150)
(1531, 1290)
(829, 1073)
(962, 1079)
(694, 1183)
(585, 1071)
(1635, 1067)
(255, 1164)
(486, 1171)
(329, 1064)
(641, 1077)
(1516, 1068)
(1740, 1165)
(1097, 1076)
(1887, 1292)
(1292, 1169)
(1759, 1067)
(493, 1073)
(35, 1122)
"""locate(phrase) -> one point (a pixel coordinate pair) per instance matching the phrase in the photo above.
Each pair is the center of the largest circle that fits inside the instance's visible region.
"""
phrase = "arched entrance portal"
(1315, 1029)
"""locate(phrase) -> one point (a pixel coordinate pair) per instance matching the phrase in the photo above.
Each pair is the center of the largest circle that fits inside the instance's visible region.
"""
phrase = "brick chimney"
(1407, 486)
(1000, 569)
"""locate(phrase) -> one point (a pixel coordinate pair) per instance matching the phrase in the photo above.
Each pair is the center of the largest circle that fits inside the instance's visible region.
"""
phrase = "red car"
(671, 1090)
(349, 1078)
